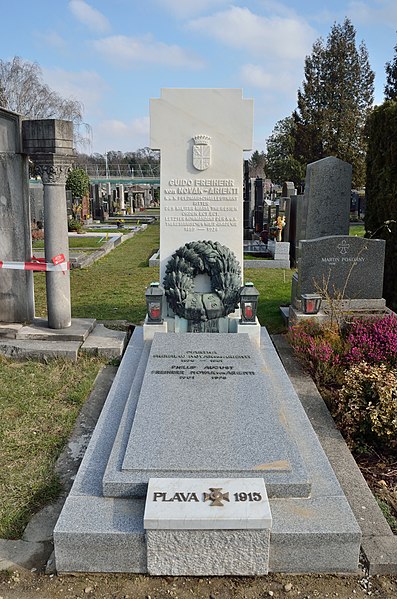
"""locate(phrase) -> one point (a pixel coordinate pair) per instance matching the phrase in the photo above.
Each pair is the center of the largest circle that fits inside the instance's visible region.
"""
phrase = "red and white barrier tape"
(58, 263)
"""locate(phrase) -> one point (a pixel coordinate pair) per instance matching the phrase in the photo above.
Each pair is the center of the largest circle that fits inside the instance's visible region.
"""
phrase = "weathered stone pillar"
(49, 144)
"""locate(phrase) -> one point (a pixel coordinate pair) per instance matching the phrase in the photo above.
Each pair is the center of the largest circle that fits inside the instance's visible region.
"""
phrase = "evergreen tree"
(78, 182)
(335, 101)
(381, 190)
(391, 78)
(257, 164)
(281, 163)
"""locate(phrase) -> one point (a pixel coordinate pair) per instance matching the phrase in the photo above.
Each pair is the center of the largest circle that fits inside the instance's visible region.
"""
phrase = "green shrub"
(75, 225)
(367, 409)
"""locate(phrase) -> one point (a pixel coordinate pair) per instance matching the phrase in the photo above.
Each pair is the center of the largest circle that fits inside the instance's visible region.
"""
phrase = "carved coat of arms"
(201, 152)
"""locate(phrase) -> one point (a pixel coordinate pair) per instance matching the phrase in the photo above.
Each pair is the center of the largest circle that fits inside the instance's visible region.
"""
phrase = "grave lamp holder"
(311, 303)
(154, 296)
(248, 302)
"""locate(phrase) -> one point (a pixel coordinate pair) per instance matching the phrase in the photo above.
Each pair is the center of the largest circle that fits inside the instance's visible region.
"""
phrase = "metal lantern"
(311, 303)
(248, 302)
(154, 301)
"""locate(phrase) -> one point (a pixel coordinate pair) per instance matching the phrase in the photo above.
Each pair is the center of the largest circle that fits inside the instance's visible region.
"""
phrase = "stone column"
(49, 144)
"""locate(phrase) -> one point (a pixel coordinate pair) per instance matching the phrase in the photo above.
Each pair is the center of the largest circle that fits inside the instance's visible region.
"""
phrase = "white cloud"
(256, 76)
(187, 8)
(52, 39)
(85, 86)
(119, 135)
(271, 80)
(130, 52)
(376, 11)
(89, 16)
(286, 37)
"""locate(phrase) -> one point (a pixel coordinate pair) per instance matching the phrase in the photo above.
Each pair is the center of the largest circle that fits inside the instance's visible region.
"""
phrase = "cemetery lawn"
(357, 230)
(76, 242)
(39, 403)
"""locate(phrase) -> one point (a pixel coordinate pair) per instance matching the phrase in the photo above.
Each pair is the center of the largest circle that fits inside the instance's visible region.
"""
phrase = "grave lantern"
(311, 303)
(248, 302)
(154, 301)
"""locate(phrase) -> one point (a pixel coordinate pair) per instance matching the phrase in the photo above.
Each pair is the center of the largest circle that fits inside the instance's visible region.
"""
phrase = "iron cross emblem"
(216, 496)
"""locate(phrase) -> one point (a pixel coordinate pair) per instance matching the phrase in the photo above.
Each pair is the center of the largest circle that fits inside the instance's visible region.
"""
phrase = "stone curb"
(379, 544)
(108, 246)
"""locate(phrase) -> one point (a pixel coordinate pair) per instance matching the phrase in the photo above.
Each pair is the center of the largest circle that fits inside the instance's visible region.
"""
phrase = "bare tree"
(23, 90)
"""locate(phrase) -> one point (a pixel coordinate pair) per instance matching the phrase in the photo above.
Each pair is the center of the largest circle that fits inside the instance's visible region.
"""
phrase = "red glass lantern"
(154, 301)
(248, 302)
(311, 303)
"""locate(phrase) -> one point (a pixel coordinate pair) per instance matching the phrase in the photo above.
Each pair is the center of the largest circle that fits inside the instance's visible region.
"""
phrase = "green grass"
(387, 513)
(106, 230)
(114, 286)
(274, 286)
(39, 403)
(357, 230)
(76, 242)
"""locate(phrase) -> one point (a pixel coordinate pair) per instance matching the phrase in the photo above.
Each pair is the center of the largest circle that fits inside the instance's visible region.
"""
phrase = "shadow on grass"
(19, 517)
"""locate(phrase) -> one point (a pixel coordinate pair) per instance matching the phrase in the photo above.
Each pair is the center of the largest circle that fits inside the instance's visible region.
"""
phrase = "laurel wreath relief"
(200, 257)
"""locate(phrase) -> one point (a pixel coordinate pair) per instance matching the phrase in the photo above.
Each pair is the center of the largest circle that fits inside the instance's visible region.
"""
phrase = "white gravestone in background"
(201, 134)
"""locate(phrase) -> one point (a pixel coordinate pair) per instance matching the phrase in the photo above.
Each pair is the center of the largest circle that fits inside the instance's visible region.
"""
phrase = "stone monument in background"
(324, 208)
(49, 144)
(16, 286)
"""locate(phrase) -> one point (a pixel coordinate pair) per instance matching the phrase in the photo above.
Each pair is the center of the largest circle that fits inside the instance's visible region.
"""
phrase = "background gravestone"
(325, 206)
(16, 286)
(201, 134)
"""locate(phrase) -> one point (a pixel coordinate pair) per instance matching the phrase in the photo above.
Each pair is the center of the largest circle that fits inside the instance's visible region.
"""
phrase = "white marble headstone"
(201, 134)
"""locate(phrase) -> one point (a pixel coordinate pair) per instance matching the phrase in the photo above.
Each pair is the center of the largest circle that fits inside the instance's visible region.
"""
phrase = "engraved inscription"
(211, 364)
(216, 497)
(201, 204)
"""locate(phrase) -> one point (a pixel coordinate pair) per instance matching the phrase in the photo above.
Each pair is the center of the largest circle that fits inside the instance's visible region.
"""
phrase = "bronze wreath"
(199, 257)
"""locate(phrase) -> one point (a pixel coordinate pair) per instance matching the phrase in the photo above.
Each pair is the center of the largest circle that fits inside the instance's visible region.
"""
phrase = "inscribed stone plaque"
(351, 266)
(207, 408)
(207, 504)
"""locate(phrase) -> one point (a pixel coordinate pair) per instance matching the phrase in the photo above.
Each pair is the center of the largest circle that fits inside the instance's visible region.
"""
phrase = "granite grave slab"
(104, 534)
(206, 409)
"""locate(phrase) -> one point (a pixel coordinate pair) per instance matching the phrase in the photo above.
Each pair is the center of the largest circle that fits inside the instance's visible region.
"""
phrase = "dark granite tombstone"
(347, 267)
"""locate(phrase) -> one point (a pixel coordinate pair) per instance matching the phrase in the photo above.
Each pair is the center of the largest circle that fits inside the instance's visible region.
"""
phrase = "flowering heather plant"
(356, 371)
(318, 349)
(373, 341)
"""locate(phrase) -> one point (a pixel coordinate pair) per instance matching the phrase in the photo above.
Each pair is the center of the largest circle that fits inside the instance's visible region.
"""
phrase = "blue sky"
(114, 55)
